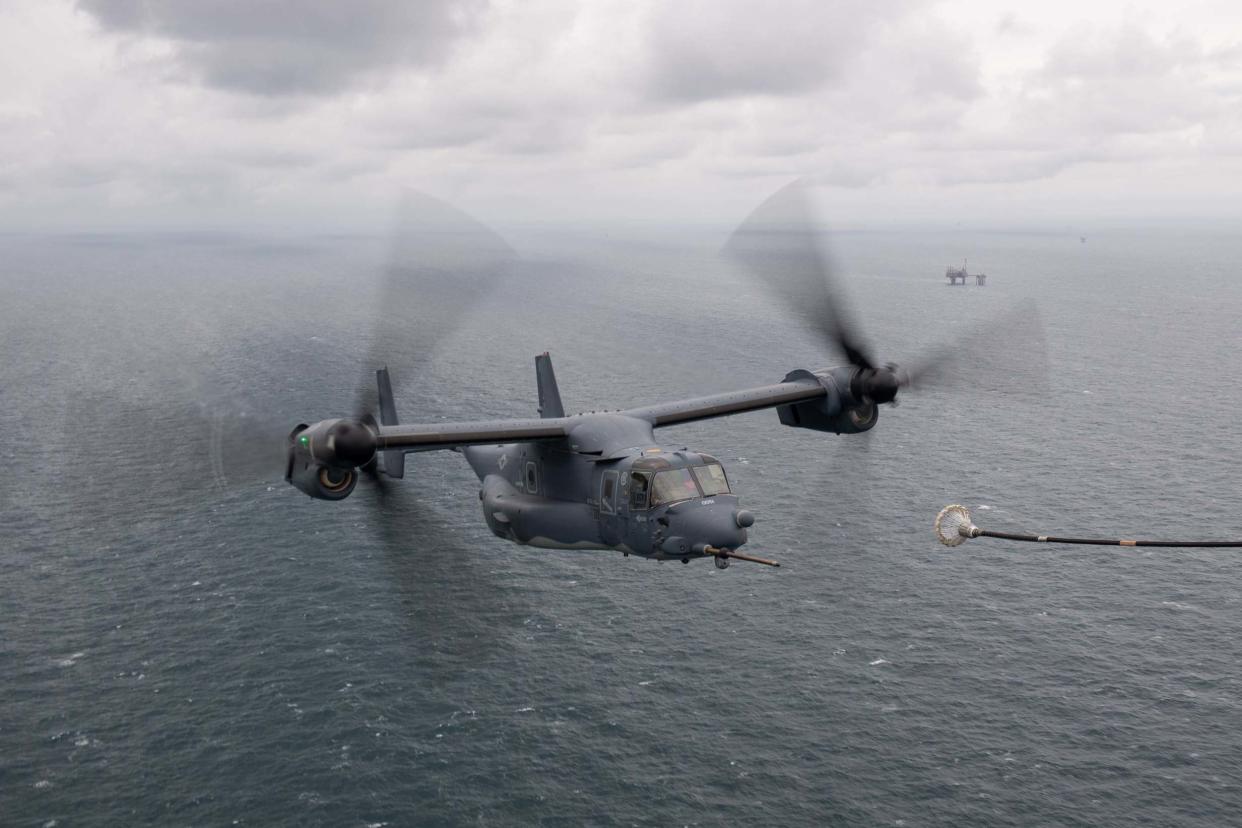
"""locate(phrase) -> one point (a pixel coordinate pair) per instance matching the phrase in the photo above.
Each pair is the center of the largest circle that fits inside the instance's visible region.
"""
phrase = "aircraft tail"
(549, 395)
(393, 459)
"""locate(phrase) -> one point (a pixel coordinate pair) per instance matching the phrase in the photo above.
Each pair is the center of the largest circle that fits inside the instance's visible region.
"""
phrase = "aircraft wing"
(429, 437)
(731, 402)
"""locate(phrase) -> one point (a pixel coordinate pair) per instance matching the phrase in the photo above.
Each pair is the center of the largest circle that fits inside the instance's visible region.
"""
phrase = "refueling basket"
(953, 525)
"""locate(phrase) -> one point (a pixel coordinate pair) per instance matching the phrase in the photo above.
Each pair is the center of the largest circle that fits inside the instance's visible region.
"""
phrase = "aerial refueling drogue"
(954, 527)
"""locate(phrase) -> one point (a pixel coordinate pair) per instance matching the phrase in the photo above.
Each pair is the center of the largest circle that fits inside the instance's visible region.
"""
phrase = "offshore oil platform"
(958, 275)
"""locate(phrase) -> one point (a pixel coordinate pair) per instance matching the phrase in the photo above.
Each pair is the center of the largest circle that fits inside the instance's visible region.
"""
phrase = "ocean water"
(182, 643)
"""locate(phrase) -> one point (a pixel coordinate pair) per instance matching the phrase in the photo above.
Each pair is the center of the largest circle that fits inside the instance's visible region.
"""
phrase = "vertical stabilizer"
(394, 460)
(549, 395)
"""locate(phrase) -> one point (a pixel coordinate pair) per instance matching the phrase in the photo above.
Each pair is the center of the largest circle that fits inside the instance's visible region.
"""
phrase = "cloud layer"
(293, 47)
(227, 111)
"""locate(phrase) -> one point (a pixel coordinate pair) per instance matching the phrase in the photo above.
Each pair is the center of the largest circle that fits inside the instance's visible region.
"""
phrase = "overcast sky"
(315, 112)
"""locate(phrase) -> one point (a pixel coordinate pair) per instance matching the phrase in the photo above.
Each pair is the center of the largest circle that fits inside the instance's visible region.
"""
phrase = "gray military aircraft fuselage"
(594, 480)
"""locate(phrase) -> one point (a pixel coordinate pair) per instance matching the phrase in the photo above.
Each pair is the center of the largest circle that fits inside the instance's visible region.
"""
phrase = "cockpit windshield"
(712, 479)
(684, 484)
(673, 485)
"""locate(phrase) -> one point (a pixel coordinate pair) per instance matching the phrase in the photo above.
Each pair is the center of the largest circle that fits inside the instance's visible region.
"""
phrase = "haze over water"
(182, 646)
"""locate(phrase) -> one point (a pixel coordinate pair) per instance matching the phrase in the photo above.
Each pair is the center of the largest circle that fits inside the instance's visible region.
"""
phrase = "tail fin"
(549, 395)
(394, 459)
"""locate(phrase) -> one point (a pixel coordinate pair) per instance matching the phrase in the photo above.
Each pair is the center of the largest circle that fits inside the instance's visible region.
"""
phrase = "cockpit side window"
(640, 483)
(673, 485)
(712, 479)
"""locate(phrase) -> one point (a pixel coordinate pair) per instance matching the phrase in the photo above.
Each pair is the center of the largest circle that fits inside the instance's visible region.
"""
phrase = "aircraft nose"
(721, 526)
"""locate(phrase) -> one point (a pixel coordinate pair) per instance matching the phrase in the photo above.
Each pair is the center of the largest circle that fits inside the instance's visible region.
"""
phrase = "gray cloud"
(1129, 53)
(294, 47)
(1096, 84)
(1119, 98)
(1014, 167)
(1010, 24)
(224, 110)
(701, 50)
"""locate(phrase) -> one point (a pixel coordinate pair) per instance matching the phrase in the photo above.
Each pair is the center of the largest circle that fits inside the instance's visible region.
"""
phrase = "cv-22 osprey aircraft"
(603, 480)
(596, 480)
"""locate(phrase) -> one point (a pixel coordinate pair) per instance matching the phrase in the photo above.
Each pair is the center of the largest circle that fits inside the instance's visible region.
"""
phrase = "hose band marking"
(1127, 543)
(1043, 538)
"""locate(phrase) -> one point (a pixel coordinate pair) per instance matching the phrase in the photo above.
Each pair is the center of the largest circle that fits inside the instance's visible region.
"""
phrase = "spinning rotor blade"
(439, 263)
(245, 447)
(245, 443)
(778, 243)
(1007, 353)
(442, 262)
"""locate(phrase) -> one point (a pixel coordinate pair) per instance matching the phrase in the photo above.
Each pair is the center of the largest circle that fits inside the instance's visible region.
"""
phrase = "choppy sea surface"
(180, 646)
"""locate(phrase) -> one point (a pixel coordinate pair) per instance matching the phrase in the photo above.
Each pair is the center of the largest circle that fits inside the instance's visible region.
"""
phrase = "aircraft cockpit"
(658, 482)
